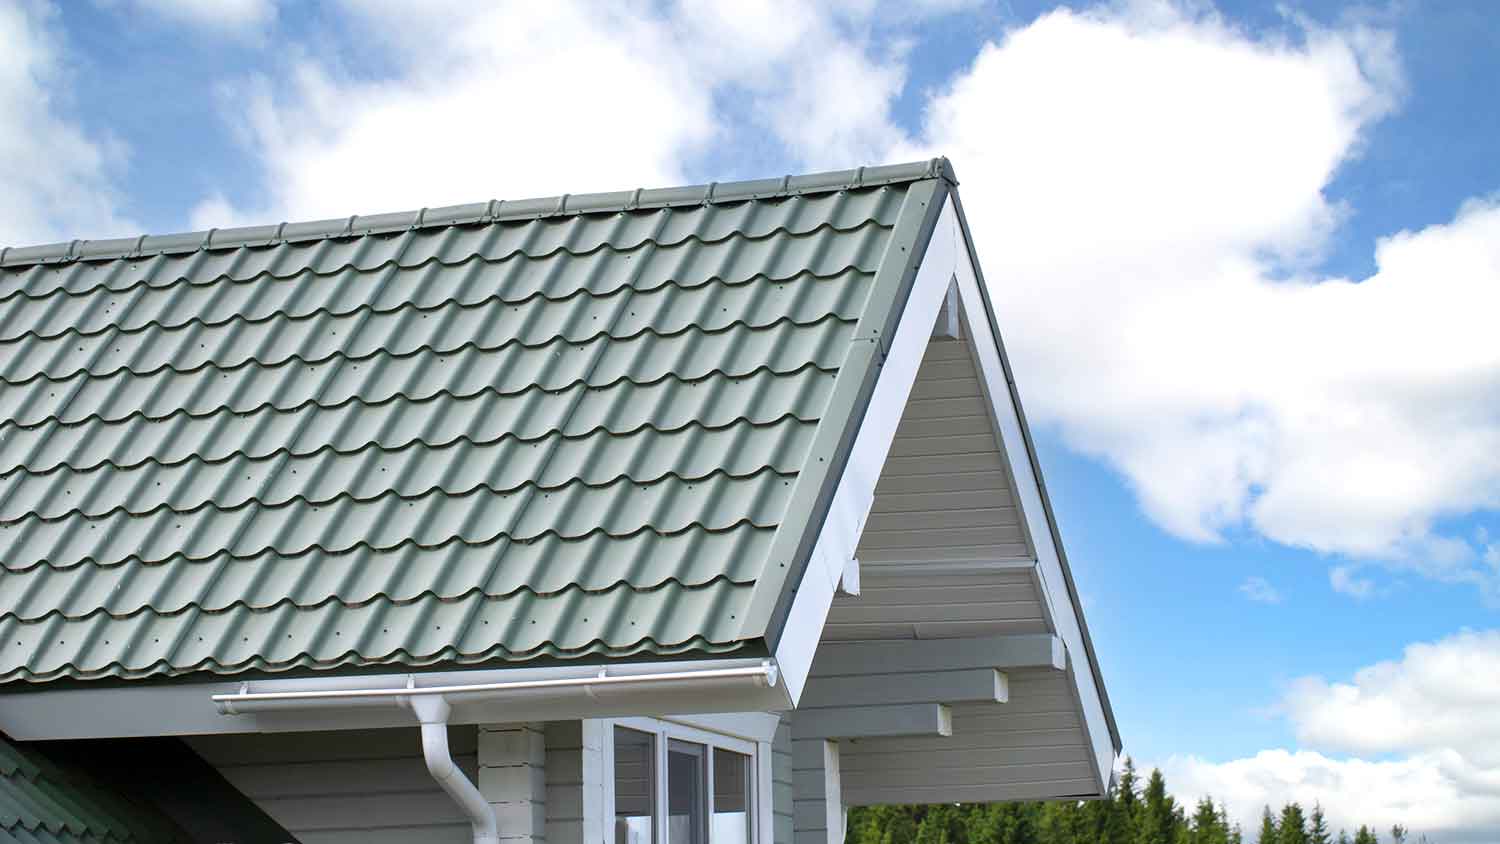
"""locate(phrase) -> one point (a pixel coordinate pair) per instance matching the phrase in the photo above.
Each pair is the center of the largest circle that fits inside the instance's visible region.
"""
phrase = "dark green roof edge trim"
(791, 549)
(1036, 469)
(480, 212)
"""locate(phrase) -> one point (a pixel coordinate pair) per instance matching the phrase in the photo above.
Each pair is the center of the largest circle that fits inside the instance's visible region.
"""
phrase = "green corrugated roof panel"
(42, 801)
(586, 426)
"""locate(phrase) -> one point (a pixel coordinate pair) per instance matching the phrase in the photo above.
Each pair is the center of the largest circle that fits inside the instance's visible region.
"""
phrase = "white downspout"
(432, 711)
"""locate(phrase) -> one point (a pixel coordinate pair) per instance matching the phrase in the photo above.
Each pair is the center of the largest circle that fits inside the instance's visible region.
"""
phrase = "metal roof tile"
(42, 801)
(560, 427)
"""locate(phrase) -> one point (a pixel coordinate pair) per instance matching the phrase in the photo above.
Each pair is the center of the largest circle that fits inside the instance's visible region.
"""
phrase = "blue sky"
(1244, 254)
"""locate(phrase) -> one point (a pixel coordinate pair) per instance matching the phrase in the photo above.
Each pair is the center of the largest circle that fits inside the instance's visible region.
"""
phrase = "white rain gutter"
(432, 708)
(245, 701)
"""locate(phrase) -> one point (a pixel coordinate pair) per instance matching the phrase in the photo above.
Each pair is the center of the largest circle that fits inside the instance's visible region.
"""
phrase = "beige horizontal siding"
(1030, 747)
(353, 786)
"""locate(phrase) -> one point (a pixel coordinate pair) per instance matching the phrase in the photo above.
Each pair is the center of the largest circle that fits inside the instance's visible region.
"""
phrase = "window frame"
(664, 731)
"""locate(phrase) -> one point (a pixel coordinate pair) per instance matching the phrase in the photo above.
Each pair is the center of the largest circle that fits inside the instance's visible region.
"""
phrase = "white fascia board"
(1052, 578)
(856, 489)
(150, 709)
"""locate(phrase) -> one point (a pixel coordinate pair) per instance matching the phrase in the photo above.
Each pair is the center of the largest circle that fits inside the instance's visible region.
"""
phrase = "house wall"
(944, 502)
(946, 553)
(1032, 747)
(547, 782)
(944, 491)
(367, 786)
(372, 786)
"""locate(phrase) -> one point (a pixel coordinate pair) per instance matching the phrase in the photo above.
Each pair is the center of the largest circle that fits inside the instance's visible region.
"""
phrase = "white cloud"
(1343, 579)
(1441, 695)
(1147, 190)
(58, 180)
(521, 99)
(224, 17)
(1429, 721)
(1260, 590)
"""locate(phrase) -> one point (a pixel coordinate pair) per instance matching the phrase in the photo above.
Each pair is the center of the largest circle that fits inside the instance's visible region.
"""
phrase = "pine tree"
(1268, 832)
(937, 826)
(1123, 806)
(1159, 819)
(1127, 795)
(980, 824)
(1207, 826)
(1293, 826)
(1064, 822)
(1025, 823)
(1317, 831)
(1128, 814)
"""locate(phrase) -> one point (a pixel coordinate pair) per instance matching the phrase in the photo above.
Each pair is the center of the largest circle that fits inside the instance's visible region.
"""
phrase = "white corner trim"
(856, 490)
(1051, 580)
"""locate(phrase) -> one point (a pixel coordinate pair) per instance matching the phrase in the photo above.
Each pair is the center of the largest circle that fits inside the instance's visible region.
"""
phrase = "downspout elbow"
(432, 711)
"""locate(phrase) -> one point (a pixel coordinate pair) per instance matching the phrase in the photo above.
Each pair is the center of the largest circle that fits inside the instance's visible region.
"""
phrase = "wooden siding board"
(1039, 790)
(346, 787)
(923, 775)
(929, 630)
(975, 761)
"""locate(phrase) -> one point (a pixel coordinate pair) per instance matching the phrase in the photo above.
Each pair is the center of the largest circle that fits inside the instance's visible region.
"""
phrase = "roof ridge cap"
(564, 205)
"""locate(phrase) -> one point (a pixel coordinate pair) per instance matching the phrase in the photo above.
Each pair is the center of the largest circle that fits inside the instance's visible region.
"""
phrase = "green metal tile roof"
(601, 425)
(43, 801)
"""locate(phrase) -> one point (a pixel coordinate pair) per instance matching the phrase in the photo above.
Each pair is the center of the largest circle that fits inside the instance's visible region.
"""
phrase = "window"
(732, 797)
(685, 804)
(635, 786)
(701, 784)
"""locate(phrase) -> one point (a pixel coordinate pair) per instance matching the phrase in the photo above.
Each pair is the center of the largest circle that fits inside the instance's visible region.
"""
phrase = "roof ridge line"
(565, 205)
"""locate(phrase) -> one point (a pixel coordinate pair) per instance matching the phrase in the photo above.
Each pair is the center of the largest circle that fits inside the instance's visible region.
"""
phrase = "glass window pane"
(731, 823)
(635, 792)
(687, 774)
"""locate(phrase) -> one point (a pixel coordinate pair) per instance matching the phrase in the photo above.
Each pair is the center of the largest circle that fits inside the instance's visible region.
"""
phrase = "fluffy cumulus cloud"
(58, 180)
(1148, 189)
(1424, 723)
(527, 99)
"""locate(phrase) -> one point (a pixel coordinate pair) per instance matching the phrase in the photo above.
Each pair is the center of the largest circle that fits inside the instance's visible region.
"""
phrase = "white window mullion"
(708, 793)
(663, 806)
